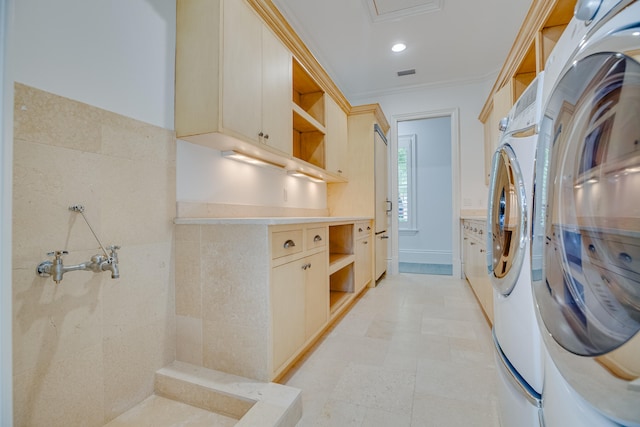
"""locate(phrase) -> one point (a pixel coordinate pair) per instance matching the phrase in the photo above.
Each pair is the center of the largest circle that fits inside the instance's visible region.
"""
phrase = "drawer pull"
(289, 244)
(365, 242)
(318, 238)
(625, 257)
(305, 266)
(360, 230)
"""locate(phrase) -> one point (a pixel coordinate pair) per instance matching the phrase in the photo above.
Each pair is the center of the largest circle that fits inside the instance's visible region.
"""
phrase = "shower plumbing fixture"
(98, 263)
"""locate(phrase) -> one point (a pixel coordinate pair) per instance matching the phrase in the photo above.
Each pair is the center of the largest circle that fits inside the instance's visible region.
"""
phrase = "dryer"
(516, 337)
(585, 244)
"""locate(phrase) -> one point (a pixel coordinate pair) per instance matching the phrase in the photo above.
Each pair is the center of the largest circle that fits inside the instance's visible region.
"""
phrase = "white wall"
(204, 176)
(6, 157)
(469, 99)
(431, 241)
(117, 55)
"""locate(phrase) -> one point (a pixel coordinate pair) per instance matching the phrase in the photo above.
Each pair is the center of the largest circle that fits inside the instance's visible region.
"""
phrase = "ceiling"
(448, 41)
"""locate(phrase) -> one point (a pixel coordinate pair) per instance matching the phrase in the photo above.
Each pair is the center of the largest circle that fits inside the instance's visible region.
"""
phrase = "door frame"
(454, 115)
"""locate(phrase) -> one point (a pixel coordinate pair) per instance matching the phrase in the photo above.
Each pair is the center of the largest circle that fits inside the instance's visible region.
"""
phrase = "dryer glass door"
(588, 202)
(507, 221)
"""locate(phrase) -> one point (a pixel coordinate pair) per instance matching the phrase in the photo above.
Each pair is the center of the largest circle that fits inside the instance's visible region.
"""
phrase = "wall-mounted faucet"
(97, 264)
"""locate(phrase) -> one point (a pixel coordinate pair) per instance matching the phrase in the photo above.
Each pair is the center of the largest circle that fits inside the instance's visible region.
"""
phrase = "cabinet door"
(336, 138)
(287, 308)
(364, 262)
(381, 176)
(316, 293)
(277, 120)
(242, 70)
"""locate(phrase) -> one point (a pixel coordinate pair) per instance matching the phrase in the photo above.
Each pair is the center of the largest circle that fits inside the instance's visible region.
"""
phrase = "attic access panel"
(384, 10)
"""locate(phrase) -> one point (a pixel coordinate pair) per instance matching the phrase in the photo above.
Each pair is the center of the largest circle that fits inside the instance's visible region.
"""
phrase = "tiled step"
(252, 403)
(157, 411)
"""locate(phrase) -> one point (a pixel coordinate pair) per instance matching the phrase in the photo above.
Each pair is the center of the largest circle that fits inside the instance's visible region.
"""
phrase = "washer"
(585, 247)
(516, 336)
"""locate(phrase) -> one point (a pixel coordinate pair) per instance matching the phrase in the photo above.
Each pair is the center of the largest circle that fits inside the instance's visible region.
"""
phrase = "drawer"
(316, 237)
(363, 229)
(285, 243)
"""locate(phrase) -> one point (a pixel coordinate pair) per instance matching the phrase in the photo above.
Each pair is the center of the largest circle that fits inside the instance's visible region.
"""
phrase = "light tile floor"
(414, 351)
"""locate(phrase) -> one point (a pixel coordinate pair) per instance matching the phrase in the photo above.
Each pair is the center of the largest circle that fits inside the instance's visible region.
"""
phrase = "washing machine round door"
(586, 231)
(507, 221)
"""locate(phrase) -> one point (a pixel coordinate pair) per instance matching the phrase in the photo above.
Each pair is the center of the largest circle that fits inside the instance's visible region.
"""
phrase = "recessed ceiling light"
(398, 47)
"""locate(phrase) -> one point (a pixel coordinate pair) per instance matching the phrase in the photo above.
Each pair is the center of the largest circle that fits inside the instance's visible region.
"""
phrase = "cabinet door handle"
(318, 238)
(360, 230)
(384, 237)
(266, 136)
(472, 243)
(365, 242)
(305, 266)
(289, 244)
(261, 134)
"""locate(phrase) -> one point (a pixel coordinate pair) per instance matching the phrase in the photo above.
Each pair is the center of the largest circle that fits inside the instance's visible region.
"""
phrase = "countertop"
(480, 214)
(267, 220)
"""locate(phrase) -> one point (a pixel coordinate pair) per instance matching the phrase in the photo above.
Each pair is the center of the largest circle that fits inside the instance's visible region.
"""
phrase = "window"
(406, 182)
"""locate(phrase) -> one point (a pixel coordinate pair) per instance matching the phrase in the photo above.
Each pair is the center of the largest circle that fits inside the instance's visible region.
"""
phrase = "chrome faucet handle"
(58, 254)
(112, 251)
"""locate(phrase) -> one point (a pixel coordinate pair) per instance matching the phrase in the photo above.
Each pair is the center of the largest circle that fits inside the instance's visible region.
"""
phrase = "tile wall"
(85, 350)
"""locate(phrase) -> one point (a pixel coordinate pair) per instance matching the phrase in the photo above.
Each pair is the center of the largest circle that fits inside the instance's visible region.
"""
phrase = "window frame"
(408, 142)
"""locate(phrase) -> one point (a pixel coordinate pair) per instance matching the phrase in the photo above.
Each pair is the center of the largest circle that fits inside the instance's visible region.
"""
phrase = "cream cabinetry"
(365, 192)
(364, 255)
(240, 87)
(299, 295)
(253, 295)
(256, 67)
(237, 85)
(475, 263)
(541, 29)
(336, 139)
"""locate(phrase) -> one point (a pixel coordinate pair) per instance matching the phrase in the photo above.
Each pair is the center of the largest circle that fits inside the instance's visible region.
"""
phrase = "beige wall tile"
(50, 119)
(188, 291)
(189, 340)
(65, 393)
(236, 350)
(130, 362)
(90, 345)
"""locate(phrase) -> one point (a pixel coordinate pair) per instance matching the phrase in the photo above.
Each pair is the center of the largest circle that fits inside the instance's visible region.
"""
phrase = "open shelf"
(309, 125)
(338, 261)
(341, 265)
(341, 286)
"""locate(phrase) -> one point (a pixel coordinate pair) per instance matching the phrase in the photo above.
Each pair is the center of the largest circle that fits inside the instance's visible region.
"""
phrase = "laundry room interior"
(342, 213)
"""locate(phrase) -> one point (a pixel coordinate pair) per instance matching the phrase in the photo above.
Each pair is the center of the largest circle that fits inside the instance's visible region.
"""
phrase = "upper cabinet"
(245, 82)
(256, 67)
(337, 134)
(542, 27)
(238, 84)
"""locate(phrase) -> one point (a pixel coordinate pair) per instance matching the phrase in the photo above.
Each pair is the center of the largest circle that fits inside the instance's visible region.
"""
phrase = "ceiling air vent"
(406, 72)
(386, 10)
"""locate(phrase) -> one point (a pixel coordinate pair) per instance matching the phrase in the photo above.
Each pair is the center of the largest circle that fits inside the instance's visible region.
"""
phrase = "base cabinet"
(251, 298)
(475, 263)
(299, 301)
(364, 255)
